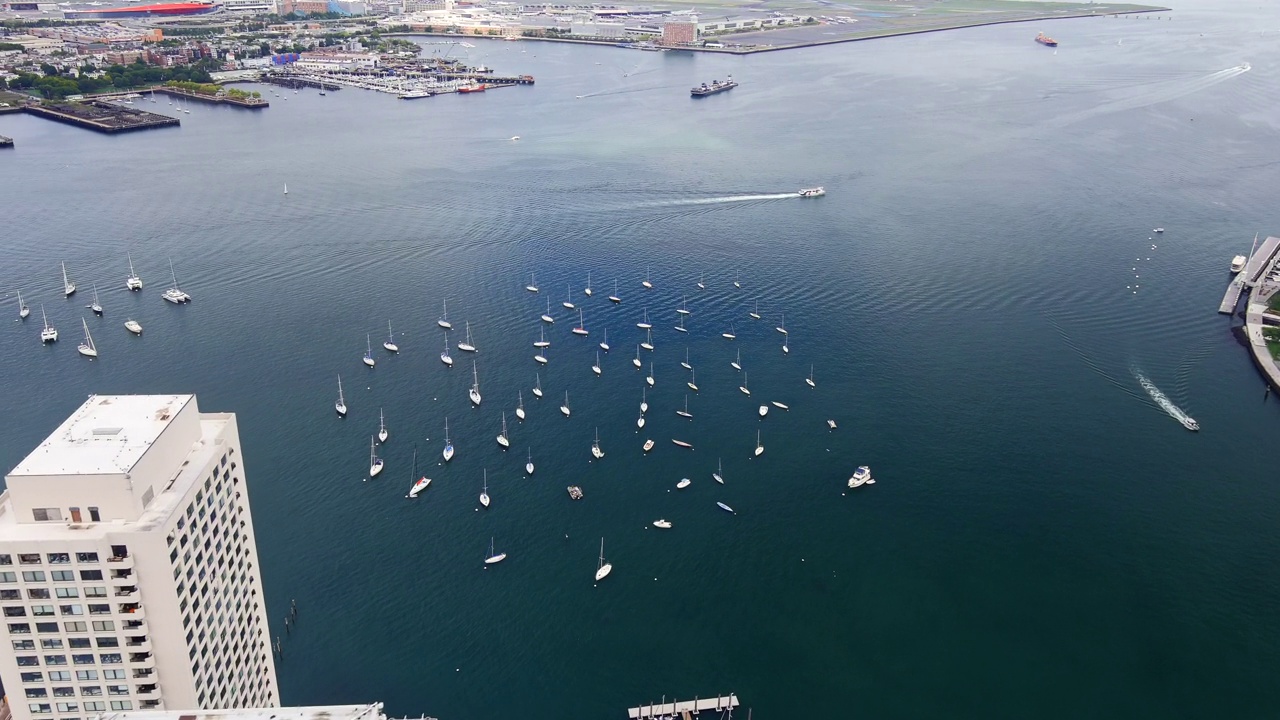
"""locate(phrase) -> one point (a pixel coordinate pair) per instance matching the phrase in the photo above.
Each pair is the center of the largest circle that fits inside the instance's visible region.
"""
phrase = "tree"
(48, 70)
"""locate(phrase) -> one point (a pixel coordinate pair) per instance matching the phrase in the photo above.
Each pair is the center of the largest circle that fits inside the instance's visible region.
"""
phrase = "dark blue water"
(978, 294)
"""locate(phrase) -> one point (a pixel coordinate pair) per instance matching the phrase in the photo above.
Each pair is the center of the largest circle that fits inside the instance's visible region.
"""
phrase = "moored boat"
(1046, 40)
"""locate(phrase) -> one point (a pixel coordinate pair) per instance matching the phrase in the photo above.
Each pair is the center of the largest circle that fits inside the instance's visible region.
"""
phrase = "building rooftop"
(372, 711)
(107, 435)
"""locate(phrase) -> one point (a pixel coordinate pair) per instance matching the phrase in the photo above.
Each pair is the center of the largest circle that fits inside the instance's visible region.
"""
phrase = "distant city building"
(372, 711)
(335, 62)
(142, 11)
(251, 6)
(129, 574)
(680, 32)
(304, 7)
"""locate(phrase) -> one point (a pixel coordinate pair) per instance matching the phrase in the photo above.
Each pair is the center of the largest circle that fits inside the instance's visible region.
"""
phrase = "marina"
(683, 708)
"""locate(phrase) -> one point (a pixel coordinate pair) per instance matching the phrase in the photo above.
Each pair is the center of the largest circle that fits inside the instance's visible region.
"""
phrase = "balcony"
(148, 690)
(121, 576)
(139, 645)
(120, 562)
(151, 705)
(132, 611)
(126, 591)
(142, 660)
(143, 673)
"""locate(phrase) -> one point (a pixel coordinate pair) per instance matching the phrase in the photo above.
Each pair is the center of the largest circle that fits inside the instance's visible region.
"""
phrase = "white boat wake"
(1132, 98)
(729, 199)
(1165, 403)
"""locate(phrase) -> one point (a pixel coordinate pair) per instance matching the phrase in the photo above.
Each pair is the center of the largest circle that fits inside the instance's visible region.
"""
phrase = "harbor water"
(980, 295)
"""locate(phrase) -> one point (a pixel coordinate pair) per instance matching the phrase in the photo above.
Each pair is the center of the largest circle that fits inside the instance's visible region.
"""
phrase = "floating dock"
(101, 116)
(1232, 298)
(683, 708)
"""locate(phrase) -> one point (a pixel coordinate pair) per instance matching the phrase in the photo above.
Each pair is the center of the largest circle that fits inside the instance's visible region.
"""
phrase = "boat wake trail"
(1153, 94)
(726, 199)
(1165, 403)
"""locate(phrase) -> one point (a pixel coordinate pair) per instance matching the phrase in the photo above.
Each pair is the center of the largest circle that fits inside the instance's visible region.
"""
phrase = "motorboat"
(1190, 423)
(341, 404)
(763, 410)
(133, 326)
(648, 445)
(831, 424)
(684, 483)
(390, 345)
(494, 557)
(474, 392)
(812, 192)
(603, 568)
(575, 492)
(860, 476)
(663, 524)
(368, 352)
(1157, 230)
(1238, 262)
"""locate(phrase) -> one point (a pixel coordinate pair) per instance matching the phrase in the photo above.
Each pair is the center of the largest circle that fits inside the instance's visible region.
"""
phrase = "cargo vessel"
(716, 86)
(1046, 40)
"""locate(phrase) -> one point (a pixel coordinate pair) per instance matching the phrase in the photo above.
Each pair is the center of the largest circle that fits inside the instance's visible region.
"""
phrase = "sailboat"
(528, 466)
(537, 385)
(645, 324)
(133, 326)
(368, 352)
(737, 363)
(541, 356)
(133, 282)
(686, 364)
(587, 291)
(565, 407)
(636, 361)
(764, 410)
(474, 392)
(680, 327)
(693, 376)
(421, 483)
(546, 316)
(23, 310)
(68, 287)
(286, 188)
(644, 400)
(731, 335)
(444, 354)
(648, 340)
(725, 508)
(782, 327)
(595, 446)
(49, 333)
(603, 568)
(582, 327)
(596, 368)
(735, 279)
(448, 445)
(718, 474)
(466, 346)
(759, 447)
(520, 406)
(647, 285)
(175, 294)
(444, 318)
(382, 427)
(375, 462)
(640, 421)
(390, 344)
(493, 557)
(86, 348)
(743, 386)
(604, 344)
(809, 380)
(568, 303)
(541, 343)
(785, 348)
(701, 285)
(649, 378)
(484, 492)
(685, 412)
(614, 297)
(96, 307)
(684, 306)
(341, 405)
(533, 284)
(502, 437)
(755, 314)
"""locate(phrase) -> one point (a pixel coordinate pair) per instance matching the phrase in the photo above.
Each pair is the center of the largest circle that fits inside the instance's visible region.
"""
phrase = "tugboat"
(716, 86)
(1046, 40)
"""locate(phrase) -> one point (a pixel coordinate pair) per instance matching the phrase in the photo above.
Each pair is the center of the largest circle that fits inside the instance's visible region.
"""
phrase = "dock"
(101, 116)
(1232, 298)
(249, 103)
(683, 708)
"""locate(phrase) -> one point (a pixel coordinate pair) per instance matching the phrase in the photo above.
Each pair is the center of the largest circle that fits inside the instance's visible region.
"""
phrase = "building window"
(117, 690)
(46, 514)
(8, 577)
(15, 611)
(19, 628)
(95, 592)
(68, 707)
(38, 593)
(85, 659)
(39, 708)
(41, 610)
(75, 515)
(81, 643)
(90, 574)
(6, 559)
(91, 692)
(95, 706)
(29, 558)
(59, 676)
(63, 691)
(24, 644)
(66, 592)
(87, 557)
(99, 609)
(121, 704)
(59, 558)
(33, 575)
(46, 627)
(75, 626)
(110, 658)
(113, 674)
(28, 661)
(30, 677)
(86, 674)
(108, 642)
(55, 659)
(51, 643)
(37, 693)
(64, 575)
(72, 609)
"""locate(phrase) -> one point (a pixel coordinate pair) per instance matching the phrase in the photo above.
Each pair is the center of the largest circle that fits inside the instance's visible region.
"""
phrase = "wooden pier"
(683, 708)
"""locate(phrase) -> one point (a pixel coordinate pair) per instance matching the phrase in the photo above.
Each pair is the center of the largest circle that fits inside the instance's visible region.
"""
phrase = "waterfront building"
(129, 574)
(680, 32)
(372, 711)
(251, 6)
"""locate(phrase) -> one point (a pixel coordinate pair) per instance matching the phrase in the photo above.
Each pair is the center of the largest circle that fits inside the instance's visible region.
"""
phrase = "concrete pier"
(683, 708)
(1232, 296)
(101, 116)
(1262, 275)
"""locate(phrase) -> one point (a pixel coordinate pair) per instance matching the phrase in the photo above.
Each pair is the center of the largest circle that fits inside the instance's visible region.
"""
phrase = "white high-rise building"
(129, 575)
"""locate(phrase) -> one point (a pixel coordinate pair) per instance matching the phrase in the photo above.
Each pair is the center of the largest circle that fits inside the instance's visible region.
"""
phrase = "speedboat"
(575, 492)
(684, 483)
(860, 476)
(812, 192)
(1157, 230)
(1238, 263)
(831, 424)
(133, 326)
(648, 445)
(1190, 424)
(664, 524)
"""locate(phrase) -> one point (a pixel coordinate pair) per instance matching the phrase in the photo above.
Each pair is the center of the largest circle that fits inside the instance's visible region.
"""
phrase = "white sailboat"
(568, 303)
(693, 376)
(780, 406)
(809, 380)
(595, 446)
(731, 335)
(493, 557)
(444, 354)
(502, 436)
(587, 291)
(686, 364)
(648, 340)
(737, 363)
(542, 342)
(520, 406)
(565, 407)
(175, 294)
(50, 332)
(640, 421)
(785, 348)
(645, 324)
(86, 348)
(604, 344)
(375, 463)
(444, 318)
(647, 285)
(717, 475)
(685, 412)
(649, 379)
(763, 410)
(133, 326)
(474, 392)
(546, 316)
(759, 447)
(390, 344)
(540, 356)
(782, 326)
(736, 283)
(701, 285)
(684, 306)
(528, 465)
(644, 400)
(341, 405)
(484, 491)
(286, 188)
(533, 284)
(68, 287)
(755, 314)
(596, 368)
(23, 310)
(382, 427)
(614, 297)
(582, 327)
(96, 307)
(603, 568)
(680, 327)
(368, 352)
(537, 385)
(743, 386)
(448, 445)
(636, 361)
(421, 483)
(465, 345)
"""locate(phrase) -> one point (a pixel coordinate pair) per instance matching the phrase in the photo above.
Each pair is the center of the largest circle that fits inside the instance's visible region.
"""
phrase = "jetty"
(101, 116)
(683, 708)
(250, 103)
(1232, 297)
